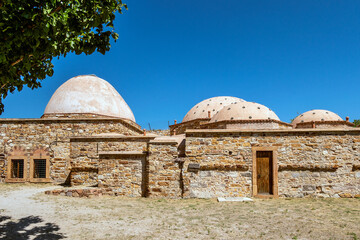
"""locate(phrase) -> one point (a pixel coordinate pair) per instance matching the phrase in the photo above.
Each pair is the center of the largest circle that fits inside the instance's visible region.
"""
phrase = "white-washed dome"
(88, 94)
(244, 111)
(316, 115)
(214, 105)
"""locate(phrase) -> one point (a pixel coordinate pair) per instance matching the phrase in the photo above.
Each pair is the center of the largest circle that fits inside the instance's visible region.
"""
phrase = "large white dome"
(88, 94)
(214, 105)
(317, 115)
(244, 111)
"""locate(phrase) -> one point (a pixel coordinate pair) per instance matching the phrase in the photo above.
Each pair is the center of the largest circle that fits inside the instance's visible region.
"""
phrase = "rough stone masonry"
(224, 147)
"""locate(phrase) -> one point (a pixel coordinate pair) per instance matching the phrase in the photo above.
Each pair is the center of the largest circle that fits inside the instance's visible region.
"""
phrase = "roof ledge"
(121, 153)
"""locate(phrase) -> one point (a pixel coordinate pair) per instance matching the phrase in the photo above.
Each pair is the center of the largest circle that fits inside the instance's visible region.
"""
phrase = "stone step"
(234, 199)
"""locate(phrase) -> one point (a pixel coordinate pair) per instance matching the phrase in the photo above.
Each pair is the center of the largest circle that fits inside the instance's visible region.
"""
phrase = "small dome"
(88, 94)
(214, 105)
(317, 116)
(244, 111)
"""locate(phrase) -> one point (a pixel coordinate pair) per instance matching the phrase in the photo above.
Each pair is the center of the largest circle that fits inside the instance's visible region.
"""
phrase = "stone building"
(225, 146)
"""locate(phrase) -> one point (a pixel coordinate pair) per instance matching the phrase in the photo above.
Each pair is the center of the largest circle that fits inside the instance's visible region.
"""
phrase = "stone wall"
(2, 168)
(204, 123)
(160, 132)
(54, 135)
(85, 153)
(84, 177)
(320, 163)
(216, 163)
(180, 128)
(165, 177)
(247, 124)
(123, 174)
(82, 192)
(326, 124)
(92, 116)
(260, 125)
(223, 169)
(128, 166)
(217, 183)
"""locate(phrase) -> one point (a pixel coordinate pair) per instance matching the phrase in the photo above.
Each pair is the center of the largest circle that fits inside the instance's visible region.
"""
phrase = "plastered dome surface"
(214, 105)
(88, 94)
(316, 115)
(244, 111)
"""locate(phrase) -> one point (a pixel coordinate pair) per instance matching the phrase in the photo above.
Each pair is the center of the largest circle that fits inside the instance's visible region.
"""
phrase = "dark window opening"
(39, 168)
(17, 168)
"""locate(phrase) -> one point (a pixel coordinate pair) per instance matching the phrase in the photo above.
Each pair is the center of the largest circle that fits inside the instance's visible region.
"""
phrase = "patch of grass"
(354, 236)
(141, 218)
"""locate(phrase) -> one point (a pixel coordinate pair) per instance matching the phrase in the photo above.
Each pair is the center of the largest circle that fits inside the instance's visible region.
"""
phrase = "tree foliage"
(357, 122)
(33, 32)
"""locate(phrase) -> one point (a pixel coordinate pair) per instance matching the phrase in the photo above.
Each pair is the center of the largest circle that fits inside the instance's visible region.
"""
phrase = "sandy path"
(27, 213)
(20, 203)
(22, 217)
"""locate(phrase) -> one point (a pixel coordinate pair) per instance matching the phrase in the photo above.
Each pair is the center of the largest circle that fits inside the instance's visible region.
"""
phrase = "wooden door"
(264, 172)
(263, 175)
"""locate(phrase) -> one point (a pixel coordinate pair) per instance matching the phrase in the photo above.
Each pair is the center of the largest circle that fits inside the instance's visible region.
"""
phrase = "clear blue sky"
(292, 56)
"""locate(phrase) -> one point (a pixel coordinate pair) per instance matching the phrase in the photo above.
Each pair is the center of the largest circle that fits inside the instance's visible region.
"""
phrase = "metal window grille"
(39, 168)
(17, 168)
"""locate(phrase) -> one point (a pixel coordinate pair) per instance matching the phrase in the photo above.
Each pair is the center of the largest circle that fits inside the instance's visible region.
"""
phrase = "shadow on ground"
(31, 227)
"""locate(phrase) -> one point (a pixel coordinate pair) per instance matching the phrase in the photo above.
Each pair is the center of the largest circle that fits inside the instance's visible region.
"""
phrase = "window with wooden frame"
(39, 170)
(16, 169)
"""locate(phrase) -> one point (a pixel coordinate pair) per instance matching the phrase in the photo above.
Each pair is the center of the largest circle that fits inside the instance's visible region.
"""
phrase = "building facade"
(224, 147)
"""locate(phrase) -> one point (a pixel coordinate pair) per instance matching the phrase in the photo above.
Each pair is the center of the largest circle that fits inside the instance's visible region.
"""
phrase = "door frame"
(274, 172)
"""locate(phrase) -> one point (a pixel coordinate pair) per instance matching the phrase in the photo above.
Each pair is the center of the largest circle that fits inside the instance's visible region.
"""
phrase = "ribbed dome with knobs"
(88, 94)
(244, 111)
(214, 105)
(316, 115)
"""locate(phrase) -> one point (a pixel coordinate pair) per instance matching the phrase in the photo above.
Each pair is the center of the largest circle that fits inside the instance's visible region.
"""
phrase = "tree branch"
(56, 9)
(16, 62)
(22, 58)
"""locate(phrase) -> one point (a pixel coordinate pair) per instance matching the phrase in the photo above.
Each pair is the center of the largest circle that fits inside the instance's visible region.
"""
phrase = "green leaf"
(50, 30)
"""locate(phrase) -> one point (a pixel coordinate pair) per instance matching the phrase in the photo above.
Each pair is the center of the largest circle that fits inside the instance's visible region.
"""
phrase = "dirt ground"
(27, 213)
